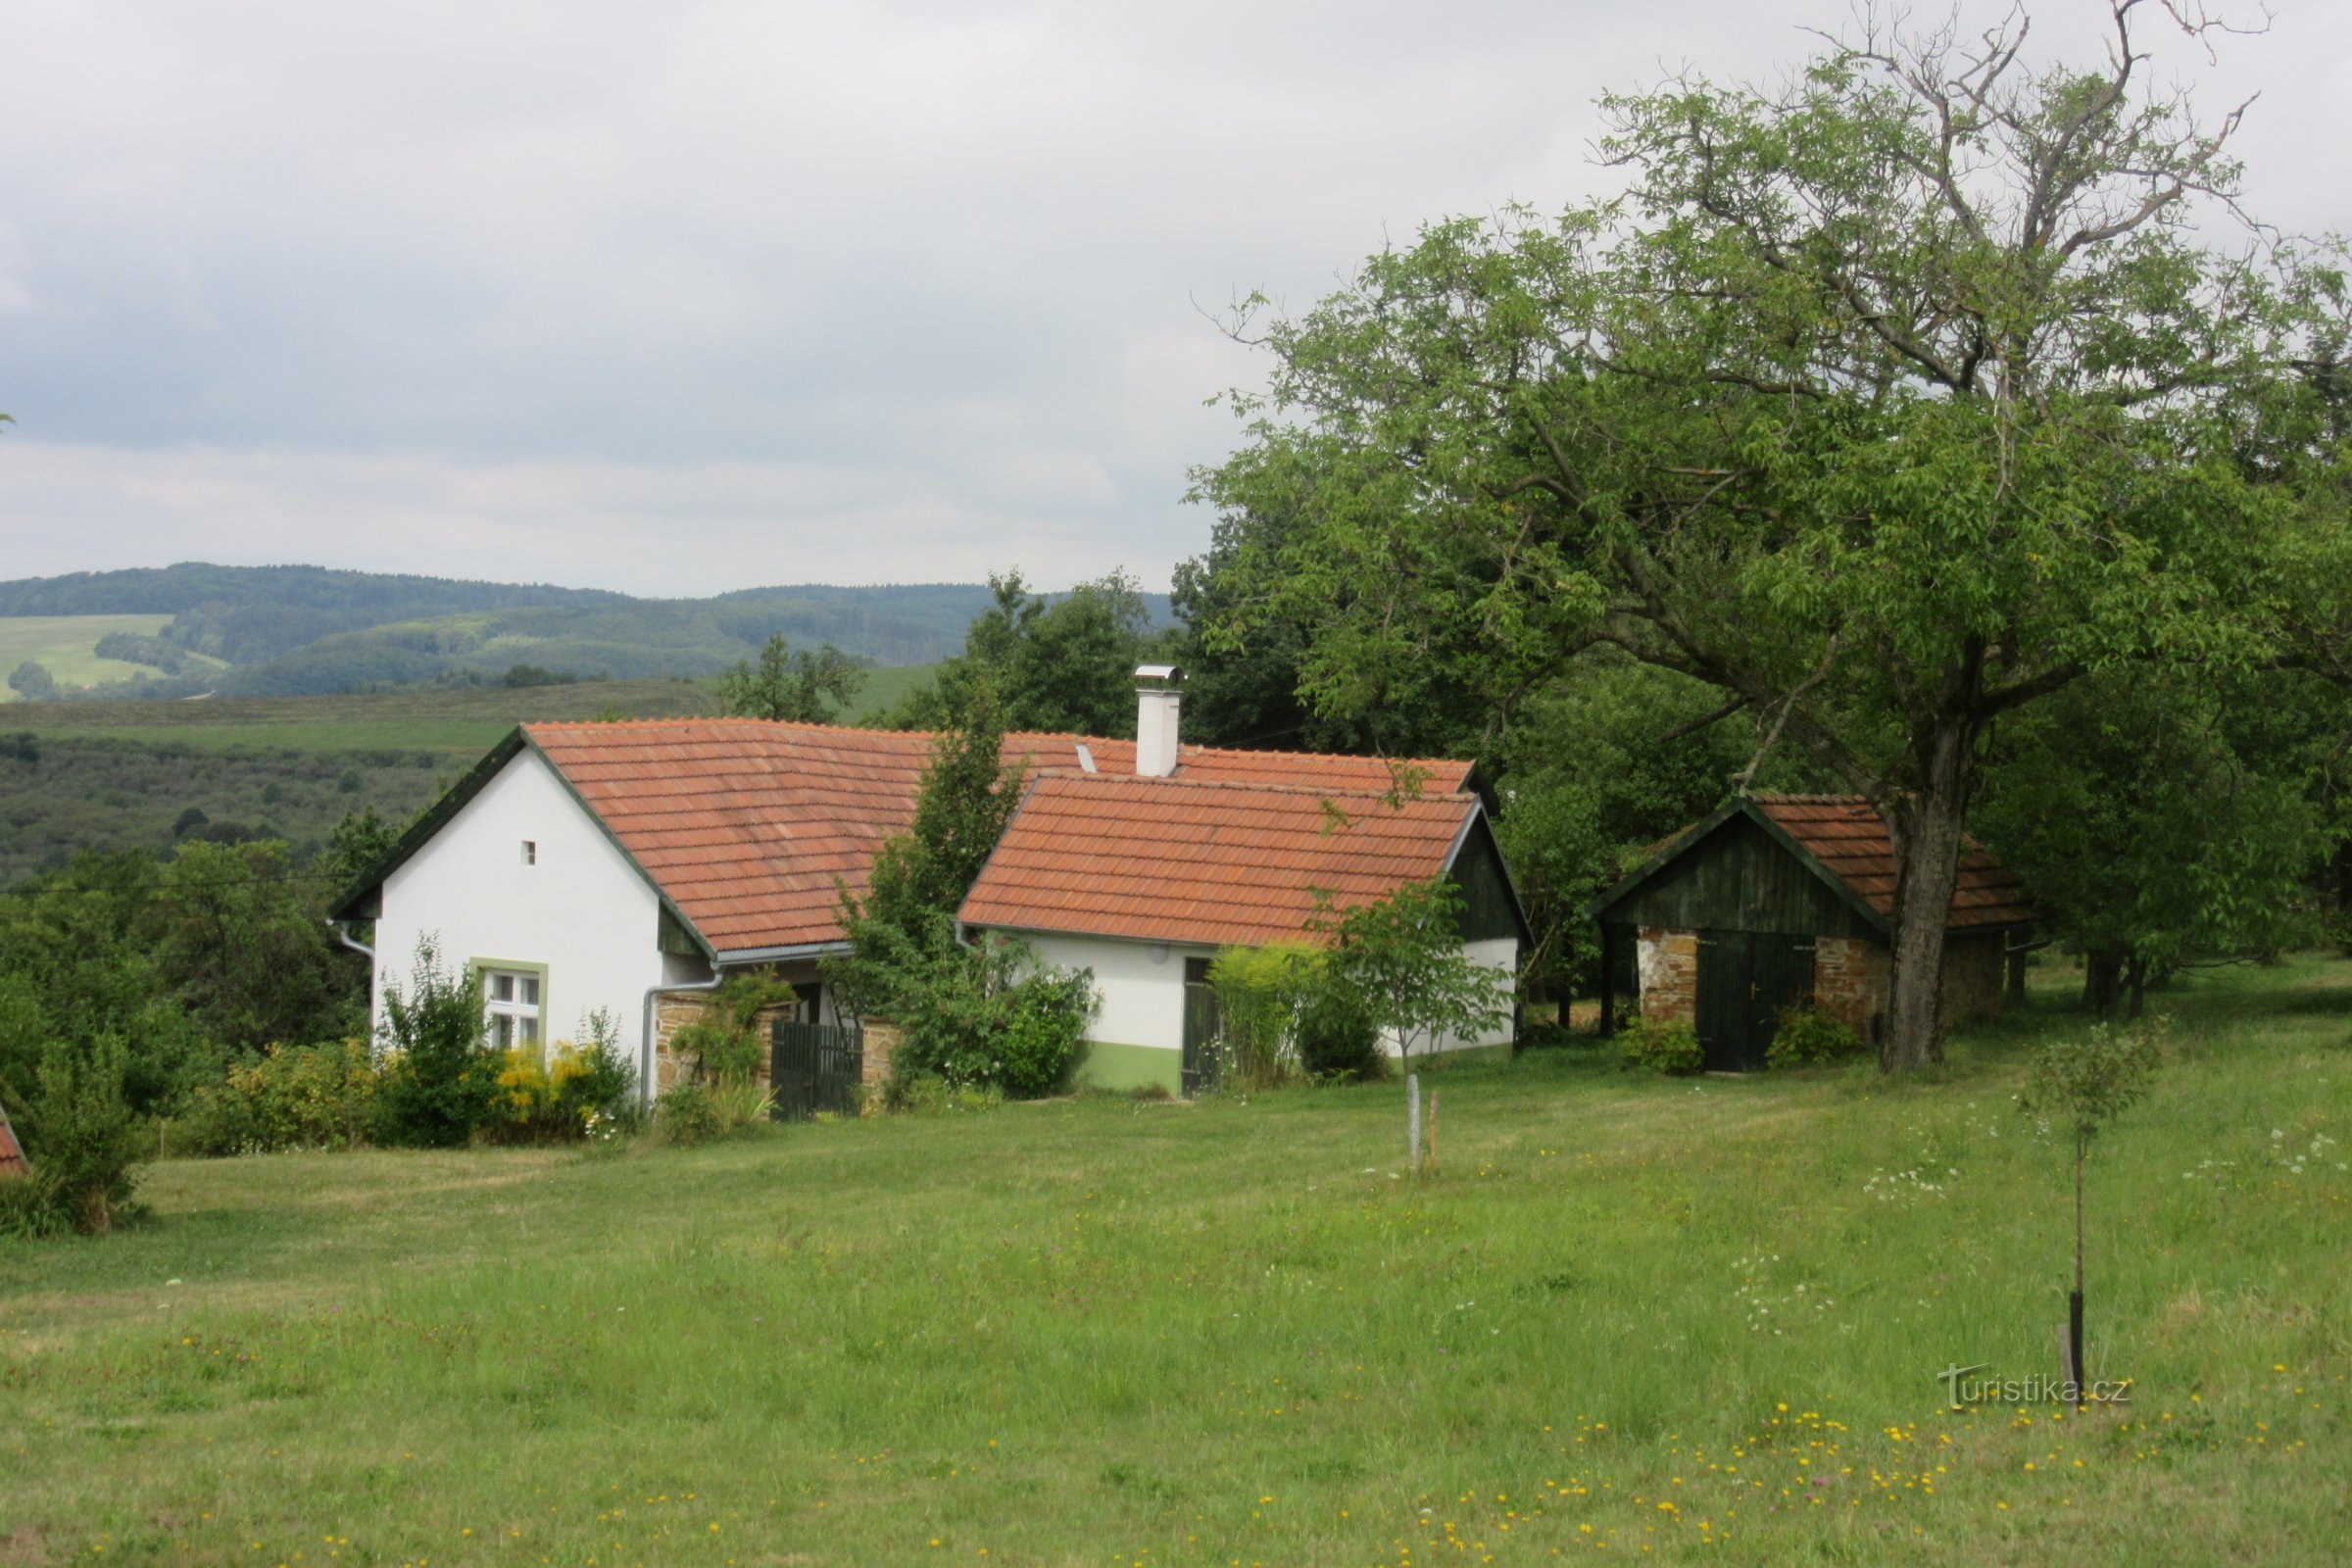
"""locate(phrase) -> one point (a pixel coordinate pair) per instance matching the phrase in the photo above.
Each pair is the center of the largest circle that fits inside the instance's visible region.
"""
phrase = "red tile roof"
(1848, 837)
(1206, 861)
(746, 824)
(11, 1156)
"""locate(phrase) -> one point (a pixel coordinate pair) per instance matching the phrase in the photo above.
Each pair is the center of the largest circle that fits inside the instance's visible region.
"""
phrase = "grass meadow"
(66, 647)
(1689, 1320)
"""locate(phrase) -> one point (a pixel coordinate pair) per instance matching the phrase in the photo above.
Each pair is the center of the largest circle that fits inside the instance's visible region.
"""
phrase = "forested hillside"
(281, 631)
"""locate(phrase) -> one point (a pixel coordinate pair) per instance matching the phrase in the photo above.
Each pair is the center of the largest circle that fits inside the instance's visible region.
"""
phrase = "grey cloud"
(743, 292)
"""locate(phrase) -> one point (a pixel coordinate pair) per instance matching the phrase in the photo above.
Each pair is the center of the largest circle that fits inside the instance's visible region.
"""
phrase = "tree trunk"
(2102, 982)
(1926, 832)
(2135, 978)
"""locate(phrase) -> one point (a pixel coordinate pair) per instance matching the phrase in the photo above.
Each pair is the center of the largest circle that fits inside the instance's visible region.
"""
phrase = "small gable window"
(530, 851)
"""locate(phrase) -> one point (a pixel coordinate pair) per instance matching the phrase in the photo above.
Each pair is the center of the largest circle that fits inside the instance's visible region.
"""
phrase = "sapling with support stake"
(2079, 1084)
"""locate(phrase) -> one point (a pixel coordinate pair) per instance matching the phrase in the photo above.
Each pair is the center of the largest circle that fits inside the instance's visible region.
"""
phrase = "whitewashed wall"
(581, 910)
(1143, 1000)
(1500, 956)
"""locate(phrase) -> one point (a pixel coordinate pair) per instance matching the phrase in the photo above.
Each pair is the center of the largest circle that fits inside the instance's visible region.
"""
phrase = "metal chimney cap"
(1159, 674)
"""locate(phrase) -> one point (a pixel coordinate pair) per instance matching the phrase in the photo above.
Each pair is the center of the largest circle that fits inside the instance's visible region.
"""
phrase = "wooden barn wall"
(1740, 878)
(1487, 915)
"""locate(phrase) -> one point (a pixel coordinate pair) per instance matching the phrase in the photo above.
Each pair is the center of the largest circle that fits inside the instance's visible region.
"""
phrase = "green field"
(66, 647)
(460, 720)
(1680, 1319)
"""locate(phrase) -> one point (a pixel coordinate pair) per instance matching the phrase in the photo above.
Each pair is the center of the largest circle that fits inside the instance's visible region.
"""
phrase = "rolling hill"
(285, 631)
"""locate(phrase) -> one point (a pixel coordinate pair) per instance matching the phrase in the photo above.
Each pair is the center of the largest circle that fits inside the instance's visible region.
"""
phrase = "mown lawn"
(1697, 1320)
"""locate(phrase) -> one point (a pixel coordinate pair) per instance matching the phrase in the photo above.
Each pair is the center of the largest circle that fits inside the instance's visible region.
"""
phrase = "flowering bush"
(1661, 1046)
(289, 1097)
(568, 1093)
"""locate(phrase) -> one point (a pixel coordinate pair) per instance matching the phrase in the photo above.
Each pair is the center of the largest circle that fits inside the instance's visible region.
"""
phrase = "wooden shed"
(1777, 900)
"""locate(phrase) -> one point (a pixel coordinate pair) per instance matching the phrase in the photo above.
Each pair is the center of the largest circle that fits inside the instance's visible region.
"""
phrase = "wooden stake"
(1433, 1131)
(1413, 1119)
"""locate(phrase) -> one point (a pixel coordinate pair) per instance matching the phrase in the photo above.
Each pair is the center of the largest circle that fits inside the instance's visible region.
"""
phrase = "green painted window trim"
(476, 968)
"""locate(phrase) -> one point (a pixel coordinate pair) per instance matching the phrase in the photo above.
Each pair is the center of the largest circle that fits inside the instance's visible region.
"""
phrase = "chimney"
(1155, 700)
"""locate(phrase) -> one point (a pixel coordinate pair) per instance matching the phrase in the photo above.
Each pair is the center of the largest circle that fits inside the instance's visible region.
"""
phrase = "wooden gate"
(1746, 978)
(813, 1067)
(1197, 1070)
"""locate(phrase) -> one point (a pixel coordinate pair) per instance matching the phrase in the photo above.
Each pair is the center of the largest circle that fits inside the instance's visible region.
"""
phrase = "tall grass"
(1698, 1317)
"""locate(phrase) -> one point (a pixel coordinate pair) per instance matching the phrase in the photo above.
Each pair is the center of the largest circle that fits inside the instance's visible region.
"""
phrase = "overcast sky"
(679, 298)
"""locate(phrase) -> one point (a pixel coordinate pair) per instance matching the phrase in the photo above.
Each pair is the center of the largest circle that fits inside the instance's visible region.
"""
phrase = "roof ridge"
(1271, 786)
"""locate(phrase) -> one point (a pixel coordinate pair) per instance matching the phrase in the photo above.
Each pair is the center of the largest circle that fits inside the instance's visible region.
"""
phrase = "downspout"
(344, 936)
(644, 1047)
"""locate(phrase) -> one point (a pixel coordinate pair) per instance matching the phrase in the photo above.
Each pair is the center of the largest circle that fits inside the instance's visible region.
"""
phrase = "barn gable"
(1820, 864)
(1735, 871)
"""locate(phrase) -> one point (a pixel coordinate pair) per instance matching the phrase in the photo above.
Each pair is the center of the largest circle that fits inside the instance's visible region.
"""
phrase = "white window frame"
(513, 1002)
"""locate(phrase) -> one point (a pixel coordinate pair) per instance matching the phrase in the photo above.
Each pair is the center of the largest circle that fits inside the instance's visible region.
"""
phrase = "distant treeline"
(292, 632)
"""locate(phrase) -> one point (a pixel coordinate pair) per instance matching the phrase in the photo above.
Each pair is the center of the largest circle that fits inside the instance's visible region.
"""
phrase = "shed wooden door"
(1745, 979)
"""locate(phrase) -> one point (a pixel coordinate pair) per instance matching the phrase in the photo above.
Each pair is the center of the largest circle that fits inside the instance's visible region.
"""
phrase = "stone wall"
(1668, 962)
(1851, 977)
(673, 1011)
(1849, 981)
(1972, 975)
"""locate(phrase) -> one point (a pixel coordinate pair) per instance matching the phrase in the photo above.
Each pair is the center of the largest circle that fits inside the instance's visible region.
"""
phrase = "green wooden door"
(1780, 975)
(1721, 1019)
(1745, 979)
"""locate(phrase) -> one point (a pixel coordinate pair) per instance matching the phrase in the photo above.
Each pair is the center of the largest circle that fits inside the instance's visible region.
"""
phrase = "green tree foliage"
(2148, 835)
(1888, 401)
(984, 1014)
(1404, 956)
(1064, 665)
(32, 682)
(440, 1085)
(796, 687)
(920, 876)
(244, 947)
(81, 1138)
(358, 842)
(79, 949)
(1250, 692)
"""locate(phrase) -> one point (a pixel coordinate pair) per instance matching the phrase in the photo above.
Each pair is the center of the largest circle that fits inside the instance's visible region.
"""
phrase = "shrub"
(967, 1020)
(290, 1096)
(1338, 1039)
(595, 1080)
(1808, 1037)
(1044, 1018)
(83, 1140)
(687, 1115)
(726, 1041)
(440, 1085)
(1661, 1046)
(1258, 993)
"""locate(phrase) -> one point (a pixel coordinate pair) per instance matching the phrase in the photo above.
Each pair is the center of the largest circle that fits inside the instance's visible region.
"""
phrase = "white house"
(1142, 876)
(605, 867)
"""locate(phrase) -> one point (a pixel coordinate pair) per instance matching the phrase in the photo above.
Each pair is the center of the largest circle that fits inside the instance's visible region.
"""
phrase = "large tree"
(1062, 664)
(1888, 401)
